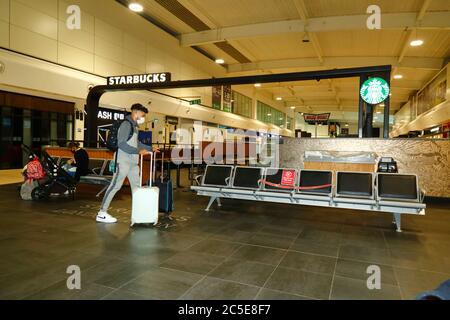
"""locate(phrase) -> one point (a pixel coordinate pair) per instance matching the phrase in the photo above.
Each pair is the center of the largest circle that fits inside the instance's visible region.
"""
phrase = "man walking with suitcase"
(128, 150)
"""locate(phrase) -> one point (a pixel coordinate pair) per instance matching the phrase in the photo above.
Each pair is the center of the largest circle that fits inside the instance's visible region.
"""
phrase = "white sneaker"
(104, 217)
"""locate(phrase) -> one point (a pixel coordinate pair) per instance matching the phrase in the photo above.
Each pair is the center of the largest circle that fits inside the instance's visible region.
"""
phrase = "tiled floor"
(244, 250)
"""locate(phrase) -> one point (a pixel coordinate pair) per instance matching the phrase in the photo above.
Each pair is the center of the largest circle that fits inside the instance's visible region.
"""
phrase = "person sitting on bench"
(80, 160)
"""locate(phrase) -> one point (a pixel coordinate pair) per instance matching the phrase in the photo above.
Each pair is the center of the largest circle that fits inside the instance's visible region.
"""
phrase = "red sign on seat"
(288, 178)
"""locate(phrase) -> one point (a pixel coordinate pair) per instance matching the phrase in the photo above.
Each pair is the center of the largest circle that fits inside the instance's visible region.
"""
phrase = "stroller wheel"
(38, 194)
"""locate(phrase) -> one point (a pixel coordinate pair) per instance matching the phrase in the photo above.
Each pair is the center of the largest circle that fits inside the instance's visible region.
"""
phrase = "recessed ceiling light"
(136, 7)
(346, 124)
(269, 114)
(398, 76)
(416, 43)
(378, 112)
(279, 98)
(257, 85)
(292, 107)
(220, 61)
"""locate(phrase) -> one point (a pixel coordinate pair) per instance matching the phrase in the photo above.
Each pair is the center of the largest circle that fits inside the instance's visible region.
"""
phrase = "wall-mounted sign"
(374, 90)
(139, 79)
(110, 114)
(217, 97)
(316, 118)
(227, 93)
(197, 101)
(172, 120)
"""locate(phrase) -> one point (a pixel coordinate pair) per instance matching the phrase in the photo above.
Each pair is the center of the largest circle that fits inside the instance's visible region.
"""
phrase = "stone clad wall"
(428, 158)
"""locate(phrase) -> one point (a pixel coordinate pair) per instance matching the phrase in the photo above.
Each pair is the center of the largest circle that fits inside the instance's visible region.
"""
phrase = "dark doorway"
(33, 121)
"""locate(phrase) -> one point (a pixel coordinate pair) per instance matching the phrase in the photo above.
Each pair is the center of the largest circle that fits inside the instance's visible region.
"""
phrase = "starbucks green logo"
(374, 90)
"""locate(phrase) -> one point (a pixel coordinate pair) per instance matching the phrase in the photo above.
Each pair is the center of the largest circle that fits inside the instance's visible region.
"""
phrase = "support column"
(387, 104)
(398, 221)
(361, 108)
(368, 126)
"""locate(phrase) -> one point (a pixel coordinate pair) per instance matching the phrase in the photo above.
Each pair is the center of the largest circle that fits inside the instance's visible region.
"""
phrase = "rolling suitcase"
(145, 199)
(165, 190)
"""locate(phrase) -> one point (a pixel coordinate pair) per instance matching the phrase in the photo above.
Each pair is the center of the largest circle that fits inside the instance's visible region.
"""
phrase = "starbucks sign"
(374, 90)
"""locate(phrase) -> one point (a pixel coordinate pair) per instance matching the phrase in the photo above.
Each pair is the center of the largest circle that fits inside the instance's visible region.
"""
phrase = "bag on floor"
(144, 208)
(165, 194)
(165, 186)
(35, 170)
(27, 188)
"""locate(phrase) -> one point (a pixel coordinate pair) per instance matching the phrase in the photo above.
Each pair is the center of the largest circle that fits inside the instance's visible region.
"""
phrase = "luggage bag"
(145, 199)
(164, 183)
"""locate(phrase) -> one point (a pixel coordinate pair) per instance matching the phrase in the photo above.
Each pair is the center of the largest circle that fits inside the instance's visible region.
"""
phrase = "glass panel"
(271, 115)
(45, 128)
(242, 105)
(53, 128)
(69, 128)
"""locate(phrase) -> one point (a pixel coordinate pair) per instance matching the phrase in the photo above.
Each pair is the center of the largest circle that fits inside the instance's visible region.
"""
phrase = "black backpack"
(111, 141)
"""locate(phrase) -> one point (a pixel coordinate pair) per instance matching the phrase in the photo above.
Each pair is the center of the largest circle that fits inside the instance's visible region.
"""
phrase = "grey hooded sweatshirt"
(129, 148)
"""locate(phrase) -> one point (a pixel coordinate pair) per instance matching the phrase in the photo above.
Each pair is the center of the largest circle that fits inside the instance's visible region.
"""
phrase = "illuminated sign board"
(316, 118)
(139, 79)
(374, 90)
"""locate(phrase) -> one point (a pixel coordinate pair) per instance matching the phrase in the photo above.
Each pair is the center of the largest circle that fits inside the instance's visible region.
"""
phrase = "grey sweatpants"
(124, 169)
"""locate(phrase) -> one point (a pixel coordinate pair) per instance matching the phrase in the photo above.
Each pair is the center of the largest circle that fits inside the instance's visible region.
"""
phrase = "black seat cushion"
(315, 178)
(247, 177)
(216, 175)
(354, 184)
(397, 186)
(275, 176)
(95, 165)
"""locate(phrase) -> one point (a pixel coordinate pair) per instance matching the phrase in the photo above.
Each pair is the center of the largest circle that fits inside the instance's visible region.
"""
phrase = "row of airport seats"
(381, 192)
(99, 172)
(382, 186)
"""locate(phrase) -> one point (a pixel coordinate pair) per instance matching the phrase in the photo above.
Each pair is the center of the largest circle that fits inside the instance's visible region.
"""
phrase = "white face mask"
(140, 121)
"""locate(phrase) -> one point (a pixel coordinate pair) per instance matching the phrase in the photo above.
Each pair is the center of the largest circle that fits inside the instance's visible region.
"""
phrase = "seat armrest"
(198, 179)
(422, 194)
(97, 171)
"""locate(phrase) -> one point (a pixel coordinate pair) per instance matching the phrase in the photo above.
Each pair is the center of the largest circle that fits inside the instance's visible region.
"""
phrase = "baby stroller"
(56, 182)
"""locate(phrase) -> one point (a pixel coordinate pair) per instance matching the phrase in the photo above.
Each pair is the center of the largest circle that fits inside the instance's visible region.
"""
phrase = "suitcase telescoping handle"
(162, 167)
(152, 169)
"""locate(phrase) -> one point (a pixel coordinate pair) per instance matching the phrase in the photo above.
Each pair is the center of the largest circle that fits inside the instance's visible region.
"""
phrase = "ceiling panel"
(159, 13)
(436, 44)
(288, 46)
(371, 43)
(324, 8)
(217, 53)
(238, 12)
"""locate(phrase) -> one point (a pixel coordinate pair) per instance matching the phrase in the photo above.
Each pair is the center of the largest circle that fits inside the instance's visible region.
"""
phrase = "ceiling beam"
(390, 21)
(342, 89)
(335, 91)
(423, 10)
(409, 32)
(339, 62)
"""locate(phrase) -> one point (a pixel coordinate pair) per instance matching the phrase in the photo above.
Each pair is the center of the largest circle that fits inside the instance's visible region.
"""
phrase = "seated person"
(80, 160)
